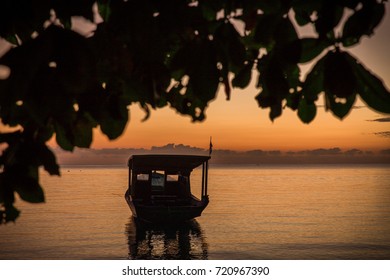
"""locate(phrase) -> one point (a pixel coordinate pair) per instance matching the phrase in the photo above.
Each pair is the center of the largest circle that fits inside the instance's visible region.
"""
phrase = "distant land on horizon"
(119, 156)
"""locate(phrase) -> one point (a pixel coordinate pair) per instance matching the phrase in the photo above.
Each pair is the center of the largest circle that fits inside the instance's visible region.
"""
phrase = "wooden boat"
(159, 188)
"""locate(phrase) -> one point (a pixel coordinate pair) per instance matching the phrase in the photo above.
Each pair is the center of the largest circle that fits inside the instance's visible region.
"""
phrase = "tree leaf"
(291, 73)
(340, 108)
(48, 160)
(311, 48)
(276, 111)
(285, 32)
(306, 110)
(113, 128)
(203, 72)
(328, 18)
(26, 182)
(83, 127)
(274, 83)
(22, 18)
(114, 115)
(303, 9)
(370, 88)
(45, 133)
(188, 103)
(12, 39)
(25, 63)
(339, 79)
(64, 137)
(74, 59)
(230, 42)
(267, 100)
(10, 214)
(208, 10)
(362, 22)
(264, 30)
(293, 100)
(314, 82)
(65, 10)
(352, 4)
(104, 9)
(9, 137)
(29, 190)
(302, 18)
(272, 77)
(243, 77)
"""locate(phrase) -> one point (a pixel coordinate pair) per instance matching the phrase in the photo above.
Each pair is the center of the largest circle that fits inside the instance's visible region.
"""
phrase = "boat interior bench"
(173, 192)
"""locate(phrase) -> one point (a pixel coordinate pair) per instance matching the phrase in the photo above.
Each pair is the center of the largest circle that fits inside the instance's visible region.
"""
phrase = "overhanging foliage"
(173, 53)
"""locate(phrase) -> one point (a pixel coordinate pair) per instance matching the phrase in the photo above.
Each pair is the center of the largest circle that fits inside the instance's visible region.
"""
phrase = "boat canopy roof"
(142, 163)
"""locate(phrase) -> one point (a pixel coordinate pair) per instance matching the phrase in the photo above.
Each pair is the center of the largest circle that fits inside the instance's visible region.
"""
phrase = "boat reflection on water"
(182, 241)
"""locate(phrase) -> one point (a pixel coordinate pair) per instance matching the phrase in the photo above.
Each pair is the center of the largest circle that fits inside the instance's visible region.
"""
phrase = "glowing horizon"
(251, 129)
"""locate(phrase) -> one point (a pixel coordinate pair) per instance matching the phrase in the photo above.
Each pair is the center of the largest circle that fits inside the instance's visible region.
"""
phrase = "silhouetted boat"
(159, 187)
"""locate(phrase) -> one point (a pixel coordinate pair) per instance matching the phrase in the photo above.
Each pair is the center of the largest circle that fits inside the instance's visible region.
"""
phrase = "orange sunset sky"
(239, 124)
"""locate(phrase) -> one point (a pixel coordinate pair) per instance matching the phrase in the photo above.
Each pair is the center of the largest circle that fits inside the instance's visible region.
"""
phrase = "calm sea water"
(280, 212)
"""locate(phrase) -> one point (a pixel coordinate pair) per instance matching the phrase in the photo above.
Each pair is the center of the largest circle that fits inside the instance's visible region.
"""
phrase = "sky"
(240, 125)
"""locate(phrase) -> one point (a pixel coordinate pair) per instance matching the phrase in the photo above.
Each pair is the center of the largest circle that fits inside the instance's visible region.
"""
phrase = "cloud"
(387, 119)
(179, 148)
(385, 152)
(117, 151)
(275, 153)
(256, 153)
(321, 152)
(385, 134)
(353, 152)
(262, 153)
(224, 152)
(119, 156)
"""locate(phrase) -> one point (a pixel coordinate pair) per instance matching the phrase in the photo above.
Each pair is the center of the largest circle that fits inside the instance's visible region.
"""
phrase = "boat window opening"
(172, 178)
(158, 180)
(196, 182)
(142, 177)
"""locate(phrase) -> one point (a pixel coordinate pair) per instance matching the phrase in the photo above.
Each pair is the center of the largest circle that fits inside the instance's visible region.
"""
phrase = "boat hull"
(150, 213)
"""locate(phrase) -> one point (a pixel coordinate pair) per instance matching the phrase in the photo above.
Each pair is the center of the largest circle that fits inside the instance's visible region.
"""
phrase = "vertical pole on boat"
(210, 147)
(205, 173)
(129, 187)
(203, 167)
(129, 183)
(206, 177)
